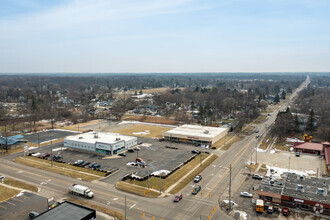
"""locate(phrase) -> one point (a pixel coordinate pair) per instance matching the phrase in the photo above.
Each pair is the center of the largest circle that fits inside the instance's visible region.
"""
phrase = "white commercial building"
(106, 143)
(196, 134)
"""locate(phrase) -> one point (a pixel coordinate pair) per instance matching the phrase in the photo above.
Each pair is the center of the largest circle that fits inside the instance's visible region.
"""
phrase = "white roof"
(260, 202)
(197, 131)
(93, 137)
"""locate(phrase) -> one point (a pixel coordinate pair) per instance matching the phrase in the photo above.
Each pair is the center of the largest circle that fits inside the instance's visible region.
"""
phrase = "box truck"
(76, 189)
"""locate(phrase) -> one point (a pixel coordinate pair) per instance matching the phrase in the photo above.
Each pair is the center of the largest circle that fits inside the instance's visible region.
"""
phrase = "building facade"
(104, 143)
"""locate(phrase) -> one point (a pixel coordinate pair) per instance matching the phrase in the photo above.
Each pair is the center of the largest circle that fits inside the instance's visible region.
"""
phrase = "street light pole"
(51, 151)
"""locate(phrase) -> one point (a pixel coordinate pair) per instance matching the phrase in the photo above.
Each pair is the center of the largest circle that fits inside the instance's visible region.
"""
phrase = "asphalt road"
(214, 184)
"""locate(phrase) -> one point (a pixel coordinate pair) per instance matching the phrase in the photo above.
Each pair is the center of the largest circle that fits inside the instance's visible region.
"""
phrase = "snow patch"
(142, 132)
(310, 172)
(227, 202)
(131, 164)
(272, 151)
(250, 162)
(58, 149)
(145, 123)
(293, 140)
(20, 194)
(160, 172)
(242, 215)
(279, 171)
(32, 148)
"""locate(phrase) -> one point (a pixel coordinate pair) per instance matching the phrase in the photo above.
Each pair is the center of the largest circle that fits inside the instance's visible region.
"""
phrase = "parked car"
(57, 157)
(195, 151)
(161, 139)
(178, 197)
(45, 155)
(122, 154)
(33, 214)
(137, 148)
(91, 165)
(139, 142)
(197, 178)
(196, 189)
(256, 176)
(270, 209)
(130, 150)
(78, 162)
(257, 136)
(96, 166)
(85, 164)
(285, 211)
(257, 131)
(246, 194)
(297, 154)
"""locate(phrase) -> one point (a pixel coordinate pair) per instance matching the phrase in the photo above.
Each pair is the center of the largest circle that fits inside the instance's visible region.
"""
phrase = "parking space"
(47, 135)
(153, 152)
(19, 207)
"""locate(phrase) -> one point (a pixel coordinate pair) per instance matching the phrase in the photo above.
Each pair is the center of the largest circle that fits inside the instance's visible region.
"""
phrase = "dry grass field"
(144, 131)
(7, 193)
(149, 119)
(19, 184)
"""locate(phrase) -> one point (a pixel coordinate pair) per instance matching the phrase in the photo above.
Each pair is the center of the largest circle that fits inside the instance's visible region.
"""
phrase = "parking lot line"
(3, 207)
(10, 203)
(16, 199)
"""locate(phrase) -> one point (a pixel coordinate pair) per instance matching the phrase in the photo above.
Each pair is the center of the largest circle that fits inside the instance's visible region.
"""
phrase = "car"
(45, 155)
(161, 139)
(57, 157)
(195, 151)
(96, 166)
(257, 131)
(297, 154)
(33, 214)
(257, 136)
(139, 142)
(178, 197)
(78, 162)
(197, 178)
(85, 164)
(196, 189)
(285, 211)
(91, 165)
(137, 148)
(130, 150)
(270, 209)
(256, 176)
(246, 194)
(122, 154)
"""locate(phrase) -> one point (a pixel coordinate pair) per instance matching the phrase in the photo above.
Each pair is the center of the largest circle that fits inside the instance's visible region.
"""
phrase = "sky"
(142, 36)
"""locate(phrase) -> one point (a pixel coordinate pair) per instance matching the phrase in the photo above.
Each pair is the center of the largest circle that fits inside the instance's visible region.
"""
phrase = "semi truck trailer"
(80, 190)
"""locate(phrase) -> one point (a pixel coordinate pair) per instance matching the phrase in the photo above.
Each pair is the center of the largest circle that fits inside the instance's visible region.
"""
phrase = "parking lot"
(47, 135)
(20, 207)
(153, 152)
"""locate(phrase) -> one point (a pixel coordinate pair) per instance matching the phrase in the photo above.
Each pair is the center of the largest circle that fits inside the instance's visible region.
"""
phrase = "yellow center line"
(62, 181)
(227, 171)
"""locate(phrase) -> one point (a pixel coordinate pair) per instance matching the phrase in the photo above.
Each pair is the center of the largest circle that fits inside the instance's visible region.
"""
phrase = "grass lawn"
(7, 193)
(263, 168)
(248, 130)
(177, 175)
(221, 142)
(19, 184)
(192, 175)
(260, 119)
(252, 167)
(56, 169)
(106, 210)
(144, 131)
(81, 125)
(231, 141)
(149, 119)
(124, 186)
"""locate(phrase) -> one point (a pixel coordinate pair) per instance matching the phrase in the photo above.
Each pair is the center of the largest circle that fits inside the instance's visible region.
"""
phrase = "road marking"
(108, 203)
(115, 199)
(43, 183)
(227, 171)
(132, 206)
(10, 203)
(17, 199)
(3, 207)
(48, 180)
(20, 171)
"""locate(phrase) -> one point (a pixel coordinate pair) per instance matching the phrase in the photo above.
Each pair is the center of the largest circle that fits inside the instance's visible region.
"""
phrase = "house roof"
(309, 146)
(327, 155)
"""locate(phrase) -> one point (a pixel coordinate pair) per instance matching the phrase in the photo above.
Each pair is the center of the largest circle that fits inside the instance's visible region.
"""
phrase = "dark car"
(195, 151)
(57, 157)
(122, 154)
(256, 176)
(85, 163)
(130, 150)
(96, 166)
(91, 165)
(257, 131)
(33, 214)
(297, 154)
(197, 178)
(161, 139)
(196, 189)
(178, 197)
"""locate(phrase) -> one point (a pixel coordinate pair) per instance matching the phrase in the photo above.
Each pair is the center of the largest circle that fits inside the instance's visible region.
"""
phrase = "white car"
(246, 194)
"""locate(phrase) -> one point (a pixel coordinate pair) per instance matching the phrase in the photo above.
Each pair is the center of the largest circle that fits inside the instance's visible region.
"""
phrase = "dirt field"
(144, 131)
(149, 119)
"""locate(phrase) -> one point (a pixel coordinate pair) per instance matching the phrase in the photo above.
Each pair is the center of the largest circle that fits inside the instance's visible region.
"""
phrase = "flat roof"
(93, 137)
(196, 131)
(290, 184)
(309, 146)
(64, 211)
(327, 155)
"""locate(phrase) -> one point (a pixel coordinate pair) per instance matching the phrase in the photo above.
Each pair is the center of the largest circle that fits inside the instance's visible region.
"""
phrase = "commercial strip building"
(105, 143)
(196, 134)
(68, 210)
(294, 191)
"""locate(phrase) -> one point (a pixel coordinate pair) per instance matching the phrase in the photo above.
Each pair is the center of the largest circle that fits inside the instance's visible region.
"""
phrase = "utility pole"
(160, 180)
(125, 208)
(230, 187)
(256, 155)
(38, 140)
(51, 151)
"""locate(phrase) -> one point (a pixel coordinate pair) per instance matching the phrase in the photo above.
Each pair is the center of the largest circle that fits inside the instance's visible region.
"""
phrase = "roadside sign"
(25, 147)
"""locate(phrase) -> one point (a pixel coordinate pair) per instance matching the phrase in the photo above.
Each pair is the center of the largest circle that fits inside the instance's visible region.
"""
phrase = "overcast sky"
(164, 36)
